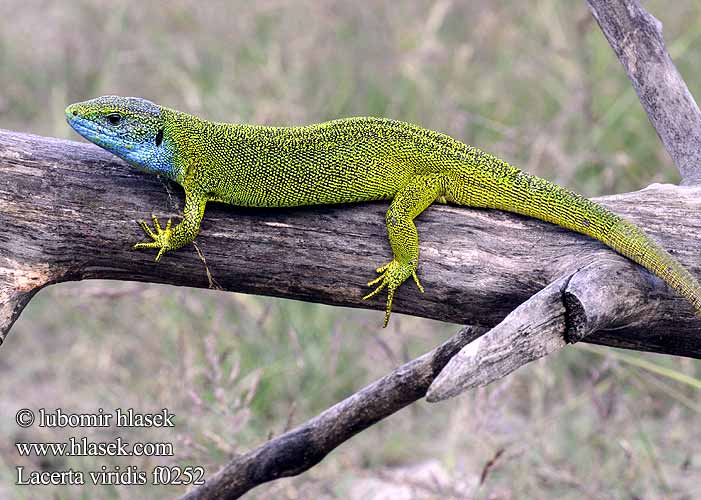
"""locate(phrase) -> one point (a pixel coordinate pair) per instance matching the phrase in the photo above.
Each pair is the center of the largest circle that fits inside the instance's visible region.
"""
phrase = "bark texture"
(69, 212)
(601, 295)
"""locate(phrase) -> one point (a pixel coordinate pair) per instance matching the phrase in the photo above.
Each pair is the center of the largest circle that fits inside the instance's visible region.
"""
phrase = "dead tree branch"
(635, 36)
(69, 212)
(571, 308)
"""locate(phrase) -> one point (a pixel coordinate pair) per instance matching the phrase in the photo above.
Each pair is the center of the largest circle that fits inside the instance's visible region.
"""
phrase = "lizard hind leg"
(409, 202)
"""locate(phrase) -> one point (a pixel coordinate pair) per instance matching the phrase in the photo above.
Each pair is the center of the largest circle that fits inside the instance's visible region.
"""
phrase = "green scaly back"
(344, 161)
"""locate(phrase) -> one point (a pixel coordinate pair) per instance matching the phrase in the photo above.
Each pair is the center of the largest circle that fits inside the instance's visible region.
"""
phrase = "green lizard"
(344, 161)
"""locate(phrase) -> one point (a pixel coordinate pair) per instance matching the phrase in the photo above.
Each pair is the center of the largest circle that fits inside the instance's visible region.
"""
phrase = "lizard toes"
(376, 290)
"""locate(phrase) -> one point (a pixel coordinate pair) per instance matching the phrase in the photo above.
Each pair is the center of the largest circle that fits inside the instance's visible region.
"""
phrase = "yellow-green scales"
(344, 161)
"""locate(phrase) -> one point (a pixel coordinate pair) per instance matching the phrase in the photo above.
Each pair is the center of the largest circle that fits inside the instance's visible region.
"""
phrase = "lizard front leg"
(409, 202)
(171, 239)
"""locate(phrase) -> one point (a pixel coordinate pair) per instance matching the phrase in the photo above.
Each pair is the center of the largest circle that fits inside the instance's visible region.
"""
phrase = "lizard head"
(130, 127)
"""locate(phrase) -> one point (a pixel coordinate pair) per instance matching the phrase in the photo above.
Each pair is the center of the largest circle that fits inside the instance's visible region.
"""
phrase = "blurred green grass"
(533, 82)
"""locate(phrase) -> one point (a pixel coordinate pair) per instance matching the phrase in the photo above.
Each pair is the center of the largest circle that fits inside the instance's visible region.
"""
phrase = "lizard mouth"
(87, 128)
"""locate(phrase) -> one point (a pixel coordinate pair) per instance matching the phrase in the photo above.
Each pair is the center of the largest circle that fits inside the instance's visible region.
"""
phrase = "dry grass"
(532, 81)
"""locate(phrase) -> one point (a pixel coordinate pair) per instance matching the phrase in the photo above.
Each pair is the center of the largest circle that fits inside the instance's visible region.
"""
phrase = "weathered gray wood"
(68, 211)
(533, 330)
(598, 296)
(636, 38)
(306, 445)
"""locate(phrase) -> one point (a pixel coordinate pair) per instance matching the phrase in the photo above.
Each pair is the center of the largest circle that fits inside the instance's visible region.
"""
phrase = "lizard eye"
(114, 118)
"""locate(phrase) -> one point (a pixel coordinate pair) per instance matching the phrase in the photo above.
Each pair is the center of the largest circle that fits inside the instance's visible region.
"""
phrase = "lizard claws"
(161, 237)
(416, 280)
(391, 276)
(376, 290)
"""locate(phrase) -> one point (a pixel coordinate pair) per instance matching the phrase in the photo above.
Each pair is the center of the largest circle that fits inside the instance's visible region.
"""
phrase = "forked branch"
(602, 295)
(541, 325)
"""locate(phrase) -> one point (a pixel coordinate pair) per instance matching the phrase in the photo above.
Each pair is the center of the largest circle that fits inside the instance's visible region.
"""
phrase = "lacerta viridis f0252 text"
(344, 161)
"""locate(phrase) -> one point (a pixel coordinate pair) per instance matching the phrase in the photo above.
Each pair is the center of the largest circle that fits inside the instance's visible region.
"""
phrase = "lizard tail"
(629, 240)
(533, 196)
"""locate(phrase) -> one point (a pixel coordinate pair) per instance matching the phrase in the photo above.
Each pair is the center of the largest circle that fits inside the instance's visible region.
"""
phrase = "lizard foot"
(391, 276)
(161, 237)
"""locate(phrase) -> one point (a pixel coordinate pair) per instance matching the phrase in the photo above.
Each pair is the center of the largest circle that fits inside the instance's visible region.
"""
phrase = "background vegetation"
(534, 82)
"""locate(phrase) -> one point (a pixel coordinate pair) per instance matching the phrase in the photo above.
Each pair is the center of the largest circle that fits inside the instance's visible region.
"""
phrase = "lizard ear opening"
(159, 137)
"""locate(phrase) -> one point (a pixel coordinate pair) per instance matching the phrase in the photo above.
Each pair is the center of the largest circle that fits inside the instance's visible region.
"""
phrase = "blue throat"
(156, 160)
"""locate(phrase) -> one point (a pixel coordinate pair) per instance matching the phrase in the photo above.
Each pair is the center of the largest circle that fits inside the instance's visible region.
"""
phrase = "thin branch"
(636, 38)
(303, 447)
